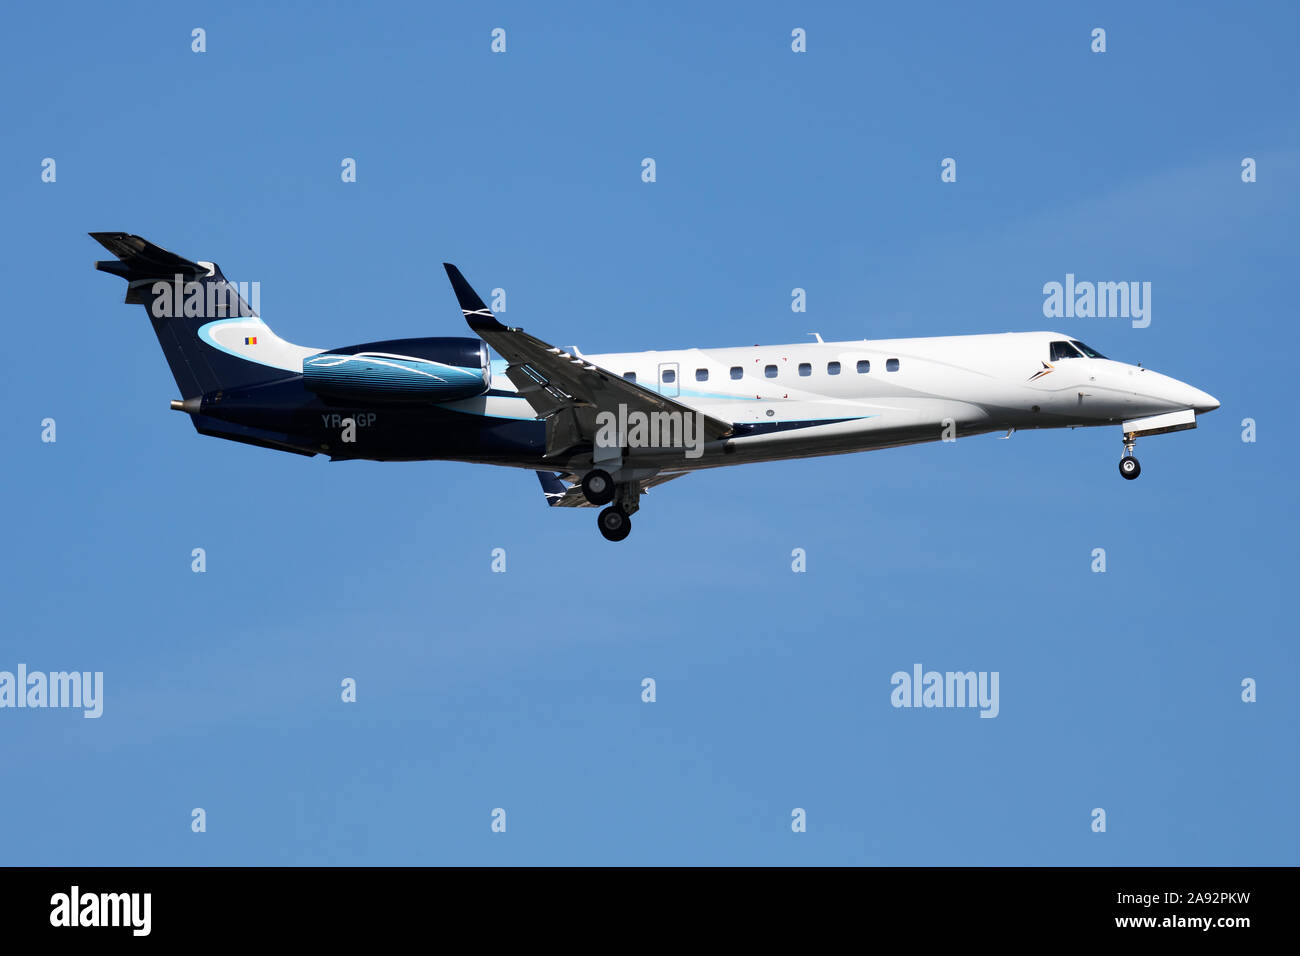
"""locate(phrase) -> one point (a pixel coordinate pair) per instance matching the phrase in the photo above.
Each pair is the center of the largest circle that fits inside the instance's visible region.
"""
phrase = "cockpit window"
(1091, 353)
(1063, 350)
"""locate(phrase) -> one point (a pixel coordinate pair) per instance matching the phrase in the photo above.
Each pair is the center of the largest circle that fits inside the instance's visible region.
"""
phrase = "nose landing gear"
(1128, 465)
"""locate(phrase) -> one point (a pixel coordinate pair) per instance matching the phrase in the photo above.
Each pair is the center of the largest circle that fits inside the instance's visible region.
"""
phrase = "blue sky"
(522, 690)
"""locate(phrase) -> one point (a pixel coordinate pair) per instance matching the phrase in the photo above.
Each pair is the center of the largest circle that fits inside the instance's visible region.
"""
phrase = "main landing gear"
(1128, 465)
(623, 498)
(598, 488)
(614, 523)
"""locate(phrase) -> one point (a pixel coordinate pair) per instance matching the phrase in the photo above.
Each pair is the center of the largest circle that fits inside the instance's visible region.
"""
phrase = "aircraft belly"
(872, 425)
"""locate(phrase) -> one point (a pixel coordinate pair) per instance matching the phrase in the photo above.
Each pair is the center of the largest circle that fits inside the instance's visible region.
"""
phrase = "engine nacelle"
(401, 370)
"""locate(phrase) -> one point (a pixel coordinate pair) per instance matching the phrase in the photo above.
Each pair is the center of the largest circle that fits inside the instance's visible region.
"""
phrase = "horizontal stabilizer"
(142, 264)
(141, 259)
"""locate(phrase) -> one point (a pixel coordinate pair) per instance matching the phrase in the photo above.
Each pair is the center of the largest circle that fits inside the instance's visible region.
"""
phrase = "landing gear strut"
(615, 522)
(1128, 465)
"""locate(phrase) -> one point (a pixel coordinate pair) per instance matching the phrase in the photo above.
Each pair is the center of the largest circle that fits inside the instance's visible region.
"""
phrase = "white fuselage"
(817, 398)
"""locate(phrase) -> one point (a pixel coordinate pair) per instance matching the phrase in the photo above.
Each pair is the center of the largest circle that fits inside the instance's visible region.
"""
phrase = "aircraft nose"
(1203, 401)
(1181, 394)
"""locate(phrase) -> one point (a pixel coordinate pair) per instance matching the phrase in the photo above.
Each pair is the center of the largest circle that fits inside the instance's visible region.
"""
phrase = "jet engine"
(401, 370)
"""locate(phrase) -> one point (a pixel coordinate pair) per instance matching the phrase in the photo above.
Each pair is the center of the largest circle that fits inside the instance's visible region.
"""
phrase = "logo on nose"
(1047, 370)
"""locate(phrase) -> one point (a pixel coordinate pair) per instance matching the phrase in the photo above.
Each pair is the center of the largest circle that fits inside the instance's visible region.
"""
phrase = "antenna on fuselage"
(817, 336)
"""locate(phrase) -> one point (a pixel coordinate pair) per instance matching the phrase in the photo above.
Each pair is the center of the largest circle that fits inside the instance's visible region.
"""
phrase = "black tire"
(614, 523)
(598, 487)
(1129, 467)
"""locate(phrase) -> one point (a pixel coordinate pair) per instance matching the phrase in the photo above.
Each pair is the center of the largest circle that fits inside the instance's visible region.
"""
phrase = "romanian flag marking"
(250, 340)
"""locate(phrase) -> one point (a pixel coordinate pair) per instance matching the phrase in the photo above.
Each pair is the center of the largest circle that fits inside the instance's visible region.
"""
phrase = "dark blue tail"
(186, 302)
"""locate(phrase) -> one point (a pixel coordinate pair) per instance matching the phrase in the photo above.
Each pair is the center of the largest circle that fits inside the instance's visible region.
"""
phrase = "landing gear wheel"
(1129, 467)
(614, 523)
(598, 487)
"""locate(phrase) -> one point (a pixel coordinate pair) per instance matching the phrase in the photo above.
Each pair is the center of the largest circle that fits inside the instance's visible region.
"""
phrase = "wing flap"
(560, 494)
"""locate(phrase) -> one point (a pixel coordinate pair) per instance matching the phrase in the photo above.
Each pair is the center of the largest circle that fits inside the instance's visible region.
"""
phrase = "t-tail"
(209, 330)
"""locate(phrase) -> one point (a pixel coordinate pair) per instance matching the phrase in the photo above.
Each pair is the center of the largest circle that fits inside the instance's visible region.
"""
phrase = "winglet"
(552, 487)
(478, 315)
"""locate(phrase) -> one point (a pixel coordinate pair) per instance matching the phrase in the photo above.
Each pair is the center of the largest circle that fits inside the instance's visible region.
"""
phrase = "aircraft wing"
(562, 494)
(566, 390)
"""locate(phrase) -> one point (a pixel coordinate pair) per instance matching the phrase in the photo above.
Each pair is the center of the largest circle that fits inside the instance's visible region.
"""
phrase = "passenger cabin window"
(669, 376)
(769, 371)
(1064, 350)
(805, 368)
(630, 376)
(864, 366)
(701, 375)
(832, 368)
(737, 372)
(1091, 353)
(891, 365)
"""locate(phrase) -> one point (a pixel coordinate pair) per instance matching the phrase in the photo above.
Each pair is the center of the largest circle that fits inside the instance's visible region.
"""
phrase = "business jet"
(601, 430)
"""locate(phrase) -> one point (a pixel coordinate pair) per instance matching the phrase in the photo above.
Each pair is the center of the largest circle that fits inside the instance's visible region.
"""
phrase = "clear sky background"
(522, 690)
